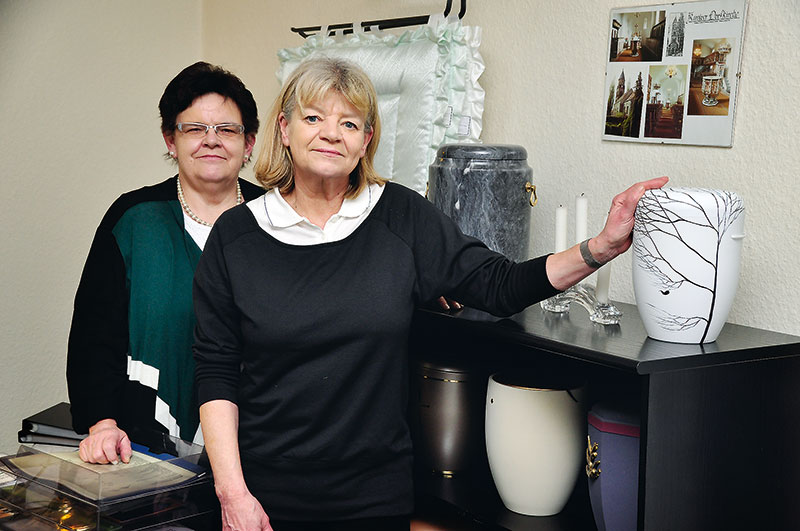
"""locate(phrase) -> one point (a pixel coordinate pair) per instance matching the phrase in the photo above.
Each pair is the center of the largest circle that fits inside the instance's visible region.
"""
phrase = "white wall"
(68, 69)
(79, 89)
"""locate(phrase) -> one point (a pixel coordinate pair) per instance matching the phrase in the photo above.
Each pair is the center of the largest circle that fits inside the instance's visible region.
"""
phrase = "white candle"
(581, 217)
(561, 228)
(603, 279)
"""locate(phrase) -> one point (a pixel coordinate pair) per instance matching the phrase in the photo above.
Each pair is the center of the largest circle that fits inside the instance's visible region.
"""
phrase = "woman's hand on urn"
(242, 512)
(106, 443)
(568, 267)
(617, 235)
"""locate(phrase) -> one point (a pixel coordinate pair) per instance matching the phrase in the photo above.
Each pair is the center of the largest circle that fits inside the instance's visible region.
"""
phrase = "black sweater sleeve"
(98, 339)
(450, 263)
(217, 341)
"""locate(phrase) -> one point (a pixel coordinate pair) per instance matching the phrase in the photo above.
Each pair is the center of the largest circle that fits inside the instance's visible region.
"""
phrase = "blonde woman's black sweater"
(311, 343)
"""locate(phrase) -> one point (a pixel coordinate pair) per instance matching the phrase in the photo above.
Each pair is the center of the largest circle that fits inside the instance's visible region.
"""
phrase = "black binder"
(55, 421)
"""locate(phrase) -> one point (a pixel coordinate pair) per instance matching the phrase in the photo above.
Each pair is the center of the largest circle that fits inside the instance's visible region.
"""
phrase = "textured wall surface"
(79, 89)
(80, 82)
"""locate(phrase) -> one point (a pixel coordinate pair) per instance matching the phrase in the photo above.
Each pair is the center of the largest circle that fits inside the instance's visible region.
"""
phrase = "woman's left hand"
(617, 236)
(567, 268)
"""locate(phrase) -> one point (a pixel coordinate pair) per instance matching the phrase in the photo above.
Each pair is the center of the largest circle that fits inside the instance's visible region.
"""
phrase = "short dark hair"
(198, 80)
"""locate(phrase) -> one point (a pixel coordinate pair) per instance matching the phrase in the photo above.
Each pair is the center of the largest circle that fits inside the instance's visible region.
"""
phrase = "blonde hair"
(309, 83)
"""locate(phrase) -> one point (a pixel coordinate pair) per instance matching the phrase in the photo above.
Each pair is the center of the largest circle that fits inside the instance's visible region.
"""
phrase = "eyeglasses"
(200, 130)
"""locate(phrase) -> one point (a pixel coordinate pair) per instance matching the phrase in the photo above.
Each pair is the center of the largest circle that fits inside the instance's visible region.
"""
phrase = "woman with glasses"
(304, 299)
(129, 367)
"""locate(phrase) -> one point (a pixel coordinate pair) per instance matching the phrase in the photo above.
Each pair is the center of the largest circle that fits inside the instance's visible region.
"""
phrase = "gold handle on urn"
(592, 462)
(531, 189)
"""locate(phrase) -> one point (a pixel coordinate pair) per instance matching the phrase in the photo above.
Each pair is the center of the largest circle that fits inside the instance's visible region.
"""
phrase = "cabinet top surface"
(624, 346)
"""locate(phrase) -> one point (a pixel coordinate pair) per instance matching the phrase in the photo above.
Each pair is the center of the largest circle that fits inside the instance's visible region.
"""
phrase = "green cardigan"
(129, 355)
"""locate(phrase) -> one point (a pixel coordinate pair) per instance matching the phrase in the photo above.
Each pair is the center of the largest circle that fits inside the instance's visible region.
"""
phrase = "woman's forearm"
(220, 422)
(240, 510)
(567, 268)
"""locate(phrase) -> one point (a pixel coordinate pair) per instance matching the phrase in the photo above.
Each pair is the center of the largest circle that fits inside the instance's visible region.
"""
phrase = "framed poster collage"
(673, 71)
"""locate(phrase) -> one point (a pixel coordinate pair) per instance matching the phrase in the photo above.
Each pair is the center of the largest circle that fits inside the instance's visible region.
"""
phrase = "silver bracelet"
(586, 254)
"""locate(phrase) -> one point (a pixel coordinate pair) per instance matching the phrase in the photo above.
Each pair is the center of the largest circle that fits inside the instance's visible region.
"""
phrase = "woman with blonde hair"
(274, 168)
(304, 299)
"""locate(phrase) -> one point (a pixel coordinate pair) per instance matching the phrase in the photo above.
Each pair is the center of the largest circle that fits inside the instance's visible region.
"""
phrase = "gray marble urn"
(482, 187)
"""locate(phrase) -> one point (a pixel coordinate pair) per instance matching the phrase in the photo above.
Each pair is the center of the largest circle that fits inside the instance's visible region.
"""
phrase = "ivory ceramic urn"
(535, 439)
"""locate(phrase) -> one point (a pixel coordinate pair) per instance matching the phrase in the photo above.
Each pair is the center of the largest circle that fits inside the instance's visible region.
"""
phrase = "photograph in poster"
(637, 36)
(666, 93)
(625, 98)
(673, 71)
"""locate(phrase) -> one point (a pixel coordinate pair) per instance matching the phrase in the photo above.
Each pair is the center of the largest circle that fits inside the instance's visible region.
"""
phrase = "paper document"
(65, 471)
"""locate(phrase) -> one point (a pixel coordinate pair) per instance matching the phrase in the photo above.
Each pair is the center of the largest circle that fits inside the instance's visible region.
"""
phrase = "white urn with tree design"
(687, 245)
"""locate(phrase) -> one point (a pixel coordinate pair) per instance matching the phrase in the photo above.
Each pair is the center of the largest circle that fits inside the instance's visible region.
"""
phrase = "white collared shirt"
(282, 222)
(197, 231)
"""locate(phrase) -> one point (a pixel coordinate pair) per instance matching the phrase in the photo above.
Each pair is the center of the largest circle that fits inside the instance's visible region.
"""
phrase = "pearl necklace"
(195, 217)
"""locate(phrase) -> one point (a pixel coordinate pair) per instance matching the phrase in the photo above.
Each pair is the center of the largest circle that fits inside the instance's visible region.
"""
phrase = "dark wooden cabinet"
(720, 422)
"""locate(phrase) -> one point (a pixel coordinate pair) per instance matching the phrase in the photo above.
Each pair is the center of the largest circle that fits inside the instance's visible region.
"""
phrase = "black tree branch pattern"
(670, 219)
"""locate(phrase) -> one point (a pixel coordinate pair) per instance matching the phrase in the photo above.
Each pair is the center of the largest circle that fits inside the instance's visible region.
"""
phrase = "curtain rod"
(381, 24)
